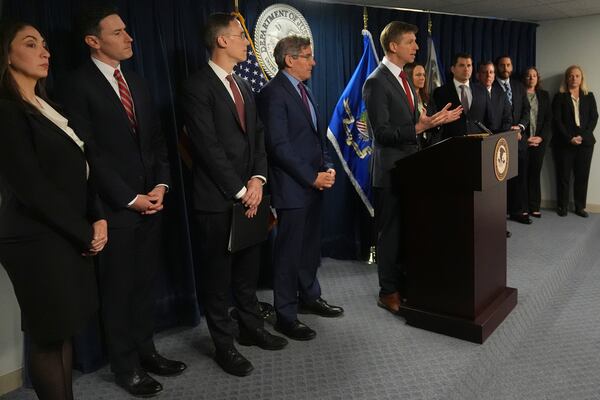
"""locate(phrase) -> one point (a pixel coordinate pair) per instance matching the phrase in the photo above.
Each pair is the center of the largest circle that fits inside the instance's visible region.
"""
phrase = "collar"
(106, 69)
(221, 73)
(394, 69)
(293, 80)
(503, 82)
(458, 84)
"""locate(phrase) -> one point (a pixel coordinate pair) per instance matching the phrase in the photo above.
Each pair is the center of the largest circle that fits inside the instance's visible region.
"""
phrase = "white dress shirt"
(458, 85)
(109, 73)
(222, 75)
(395, 70)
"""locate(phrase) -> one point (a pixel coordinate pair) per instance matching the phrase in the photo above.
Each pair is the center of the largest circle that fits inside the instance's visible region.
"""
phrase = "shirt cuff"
(522, 127)
(163, 185)
(262, 178)
(132, 201)
(241, 193)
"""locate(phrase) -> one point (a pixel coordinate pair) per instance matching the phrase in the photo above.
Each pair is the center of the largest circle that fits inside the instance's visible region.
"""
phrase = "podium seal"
(501, 159)
(274, 23)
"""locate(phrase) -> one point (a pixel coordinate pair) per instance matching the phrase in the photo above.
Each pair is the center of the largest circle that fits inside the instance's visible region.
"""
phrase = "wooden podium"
(453, 240)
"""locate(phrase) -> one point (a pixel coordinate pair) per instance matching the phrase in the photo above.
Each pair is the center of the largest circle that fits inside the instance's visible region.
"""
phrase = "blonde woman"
(574, 118)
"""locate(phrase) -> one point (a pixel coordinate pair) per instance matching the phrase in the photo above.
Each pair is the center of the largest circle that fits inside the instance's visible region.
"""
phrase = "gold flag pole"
(372, 250)
(236, 6)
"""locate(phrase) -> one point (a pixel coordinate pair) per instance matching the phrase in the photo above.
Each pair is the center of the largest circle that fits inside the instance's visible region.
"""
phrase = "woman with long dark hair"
(50, 220)
(575, 115)
(539, 136)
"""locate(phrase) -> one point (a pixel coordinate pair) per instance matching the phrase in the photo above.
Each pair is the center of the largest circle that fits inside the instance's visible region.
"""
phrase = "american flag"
(251, 72)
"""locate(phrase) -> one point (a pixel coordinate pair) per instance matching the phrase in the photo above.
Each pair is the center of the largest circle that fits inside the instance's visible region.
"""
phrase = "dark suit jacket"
(124, 164)
(544, 117)
(501, 110)
(520, 108)
(43, 182)
(480, 110)
(564, 127)
(225, 157)
(297, 149)
(391, 121)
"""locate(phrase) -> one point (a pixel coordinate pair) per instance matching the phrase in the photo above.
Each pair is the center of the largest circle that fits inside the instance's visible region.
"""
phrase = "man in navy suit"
(130, 165)
(501, 109)
(396, 127)
(518, 204)
(300, 169)
(230, 165)
(461, 91)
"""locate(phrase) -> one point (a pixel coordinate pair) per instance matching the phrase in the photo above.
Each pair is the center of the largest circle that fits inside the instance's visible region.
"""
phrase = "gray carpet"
(548, 348)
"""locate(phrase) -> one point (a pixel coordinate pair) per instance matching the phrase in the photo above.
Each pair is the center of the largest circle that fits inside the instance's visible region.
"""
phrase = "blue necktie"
(508, 92)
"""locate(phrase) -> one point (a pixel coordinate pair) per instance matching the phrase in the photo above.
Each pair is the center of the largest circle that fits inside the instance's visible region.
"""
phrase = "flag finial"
(429, 23)
(236, 5)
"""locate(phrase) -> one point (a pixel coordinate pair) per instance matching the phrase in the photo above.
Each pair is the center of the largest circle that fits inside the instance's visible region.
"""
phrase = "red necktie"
(126, 99)
(239, 102)
(407, 91)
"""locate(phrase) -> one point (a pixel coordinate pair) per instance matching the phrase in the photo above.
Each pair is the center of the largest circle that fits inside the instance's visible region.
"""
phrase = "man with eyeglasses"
(299, 171)
(230, 165)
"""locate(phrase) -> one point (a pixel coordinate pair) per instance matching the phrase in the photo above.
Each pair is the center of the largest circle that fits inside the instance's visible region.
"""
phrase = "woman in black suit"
(539, 135)
(50, 221)
(575, 116)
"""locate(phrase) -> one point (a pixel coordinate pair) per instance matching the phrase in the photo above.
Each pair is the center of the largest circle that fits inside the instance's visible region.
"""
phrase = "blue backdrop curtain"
(167, 48)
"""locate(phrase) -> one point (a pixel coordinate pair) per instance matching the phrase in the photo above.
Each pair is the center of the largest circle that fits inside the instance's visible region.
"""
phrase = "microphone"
(481, 126)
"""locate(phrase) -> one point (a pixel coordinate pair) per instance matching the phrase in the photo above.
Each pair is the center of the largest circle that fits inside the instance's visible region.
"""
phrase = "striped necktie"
(126, 99)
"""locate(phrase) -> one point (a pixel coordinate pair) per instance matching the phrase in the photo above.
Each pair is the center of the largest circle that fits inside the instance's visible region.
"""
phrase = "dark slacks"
(536, 160)
(517, 186)
(296, 258)
(127, 270)
(575, 160)
(221, 274)
(387, 219)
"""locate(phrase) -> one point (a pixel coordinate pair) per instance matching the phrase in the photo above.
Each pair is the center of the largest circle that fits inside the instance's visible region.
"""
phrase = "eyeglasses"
(241, 35)
(307, 57)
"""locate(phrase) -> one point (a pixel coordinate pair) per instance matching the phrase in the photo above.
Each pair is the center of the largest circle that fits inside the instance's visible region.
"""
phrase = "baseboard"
(551, 204)
(11, 381)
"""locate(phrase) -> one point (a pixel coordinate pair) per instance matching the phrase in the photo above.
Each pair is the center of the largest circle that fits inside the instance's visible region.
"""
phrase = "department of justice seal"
(501, 159)
(275, 23)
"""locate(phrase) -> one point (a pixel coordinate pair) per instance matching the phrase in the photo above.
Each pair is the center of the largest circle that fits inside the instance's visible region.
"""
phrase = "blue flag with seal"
(348, 131)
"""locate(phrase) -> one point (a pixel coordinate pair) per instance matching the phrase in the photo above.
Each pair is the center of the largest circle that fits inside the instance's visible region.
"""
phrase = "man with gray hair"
(299, 170)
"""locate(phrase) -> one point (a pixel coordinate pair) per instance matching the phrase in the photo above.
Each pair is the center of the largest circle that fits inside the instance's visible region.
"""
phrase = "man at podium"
(395, 124)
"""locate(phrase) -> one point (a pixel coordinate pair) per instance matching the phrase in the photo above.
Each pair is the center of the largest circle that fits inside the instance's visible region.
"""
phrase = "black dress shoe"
(522, 218)
(296, 330)
(320, 307)
(508, 234)
(262, 338)
(139, 383)
(562, 212)
(232, 362)
(157, 364)
(536, 214)
(582, 213)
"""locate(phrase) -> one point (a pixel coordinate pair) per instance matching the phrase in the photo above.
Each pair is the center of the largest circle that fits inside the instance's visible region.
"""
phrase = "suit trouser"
(221, 274)
(127, 269)
(575, 160)
(517, 186)
(296, 258)
(536, 160)
(387, 219)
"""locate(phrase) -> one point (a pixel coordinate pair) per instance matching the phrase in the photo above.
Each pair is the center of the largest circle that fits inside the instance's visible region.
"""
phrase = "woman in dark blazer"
(50, 221)
(539, 136)
(574, 118)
